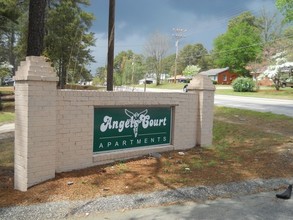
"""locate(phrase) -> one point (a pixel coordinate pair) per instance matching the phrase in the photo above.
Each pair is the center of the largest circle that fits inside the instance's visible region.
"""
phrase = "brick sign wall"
(63, 130)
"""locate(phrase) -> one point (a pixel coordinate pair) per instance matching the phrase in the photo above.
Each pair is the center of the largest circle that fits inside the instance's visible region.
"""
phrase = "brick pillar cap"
(37, 69)
(201, 82)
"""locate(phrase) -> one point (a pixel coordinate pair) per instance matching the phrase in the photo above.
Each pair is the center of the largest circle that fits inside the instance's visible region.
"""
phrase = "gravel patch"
(71, 209)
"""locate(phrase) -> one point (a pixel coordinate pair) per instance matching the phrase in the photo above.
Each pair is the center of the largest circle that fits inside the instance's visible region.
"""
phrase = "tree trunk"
(277, 84)
(36, 29)
(12, 57)
(158, 76)
(63, 75)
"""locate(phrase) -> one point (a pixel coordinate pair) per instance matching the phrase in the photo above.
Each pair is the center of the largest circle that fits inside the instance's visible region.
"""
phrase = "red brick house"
(221, 76)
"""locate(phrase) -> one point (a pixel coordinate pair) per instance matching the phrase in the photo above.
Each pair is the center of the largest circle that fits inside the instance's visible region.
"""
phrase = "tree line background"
(247, 46)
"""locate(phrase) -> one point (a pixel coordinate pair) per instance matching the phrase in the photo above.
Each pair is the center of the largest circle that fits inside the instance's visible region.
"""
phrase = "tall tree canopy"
(128, 68)
(193, 54)
(270, 26)
(191, 70)
(169, 64)
(10, 13)
(246, 17)
(286, 7)
(288, 43)
(68, 40)
(238, 46)
(156, 49)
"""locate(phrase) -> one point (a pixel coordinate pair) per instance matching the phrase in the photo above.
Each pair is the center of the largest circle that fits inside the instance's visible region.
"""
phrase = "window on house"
(224, 78)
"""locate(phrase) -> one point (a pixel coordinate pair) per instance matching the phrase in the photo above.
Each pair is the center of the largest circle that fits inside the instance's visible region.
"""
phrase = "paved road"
(257, 206)
(276, 106)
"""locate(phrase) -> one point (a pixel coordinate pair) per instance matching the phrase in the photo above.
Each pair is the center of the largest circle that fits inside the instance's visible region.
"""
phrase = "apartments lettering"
(126, 128)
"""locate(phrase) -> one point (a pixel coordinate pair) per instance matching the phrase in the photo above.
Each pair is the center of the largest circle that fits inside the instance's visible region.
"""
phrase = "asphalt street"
(257, 206)
(276, 106)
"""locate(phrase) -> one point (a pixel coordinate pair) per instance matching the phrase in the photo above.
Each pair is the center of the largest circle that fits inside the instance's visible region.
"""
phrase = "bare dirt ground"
(244, 147)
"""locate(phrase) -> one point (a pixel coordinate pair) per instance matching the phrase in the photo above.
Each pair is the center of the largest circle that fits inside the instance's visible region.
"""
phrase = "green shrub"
(243, 84)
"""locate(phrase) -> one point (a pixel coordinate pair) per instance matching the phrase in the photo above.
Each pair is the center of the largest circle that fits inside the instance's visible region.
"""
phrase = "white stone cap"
(36, 69)
(201, 82)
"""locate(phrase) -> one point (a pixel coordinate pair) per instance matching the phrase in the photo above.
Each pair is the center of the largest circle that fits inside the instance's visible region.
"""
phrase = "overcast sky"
(136, 20)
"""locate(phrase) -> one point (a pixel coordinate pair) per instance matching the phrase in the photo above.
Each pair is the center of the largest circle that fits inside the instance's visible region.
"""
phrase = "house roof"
(213, 72)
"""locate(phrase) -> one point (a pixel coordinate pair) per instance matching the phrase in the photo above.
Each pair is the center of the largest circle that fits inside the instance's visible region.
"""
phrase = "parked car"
(8, 81)
(288, 82)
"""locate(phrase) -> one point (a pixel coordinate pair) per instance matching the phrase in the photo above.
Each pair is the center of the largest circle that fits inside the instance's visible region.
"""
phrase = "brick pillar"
(35, 122)
(204, 87)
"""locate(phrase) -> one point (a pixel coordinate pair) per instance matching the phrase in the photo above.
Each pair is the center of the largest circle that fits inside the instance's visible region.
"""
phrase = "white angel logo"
(136, 119)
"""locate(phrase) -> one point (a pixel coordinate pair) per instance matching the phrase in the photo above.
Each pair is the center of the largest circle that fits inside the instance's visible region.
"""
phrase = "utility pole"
(178, 36)
(111, 32)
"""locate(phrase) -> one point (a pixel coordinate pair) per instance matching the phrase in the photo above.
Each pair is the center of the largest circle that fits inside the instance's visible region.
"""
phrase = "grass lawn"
(6, 106)
(178, 86)
(6, 153)
(6, 117)
(6, 89)
(264, 92)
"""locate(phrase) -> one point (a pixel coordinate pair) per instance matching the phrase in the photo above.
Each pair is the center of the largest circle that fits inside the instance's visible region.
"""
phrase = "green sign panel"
(120, 128)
